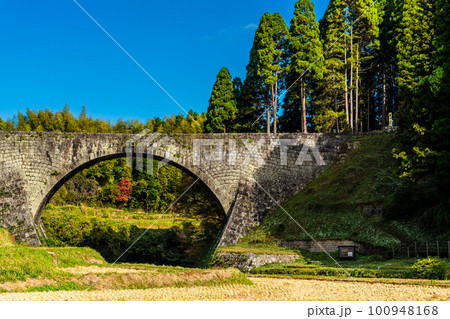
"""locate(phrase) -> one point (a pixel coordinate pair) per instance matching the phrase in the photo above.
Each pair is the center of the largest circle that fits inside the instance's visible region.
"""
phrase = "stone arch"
(203, 179)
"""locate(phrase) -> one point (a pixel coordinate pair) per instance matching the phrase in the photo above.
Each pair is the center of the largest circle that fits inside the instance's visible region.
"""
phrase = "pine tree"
(414, 47)
(70, 124)
(22, 123)
(33, 121)
(83, 121)
(222, 104)
(364, 18)
(331, 95)
(272, 36)
(250, 105)
(305, 64)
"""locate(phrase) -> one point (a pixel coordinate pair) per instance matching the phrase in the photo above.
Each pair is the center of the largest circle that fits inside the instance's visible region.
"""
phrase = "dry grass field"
(263, 289)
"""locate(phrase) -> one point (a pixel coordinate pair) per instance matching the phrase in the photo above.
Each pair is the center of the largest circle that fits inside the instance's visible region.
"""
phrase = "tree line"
(364, 64)
(363, 60)
(65, 121)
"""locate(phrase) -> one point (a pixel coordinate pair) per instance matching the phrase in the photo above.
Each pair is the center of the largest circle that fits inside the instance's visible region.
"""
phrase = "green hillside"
(360, 197)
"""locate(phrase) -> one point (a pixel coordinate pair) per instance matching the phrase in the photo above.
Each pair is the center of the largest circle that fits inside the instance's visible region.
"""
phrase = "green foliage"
(111, 238)
(332, 206)
(65, 121)
(430, 268)
(222, 104)
(172, 240)
(271, 36)
(424, 66)
(363, 267)
(252, 97)
(305, 65)
(331, 88)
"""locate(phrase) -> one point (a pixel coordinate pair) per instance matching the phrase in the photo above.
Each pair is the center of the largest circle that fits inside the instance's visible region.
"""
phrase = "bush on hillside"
(430, 268)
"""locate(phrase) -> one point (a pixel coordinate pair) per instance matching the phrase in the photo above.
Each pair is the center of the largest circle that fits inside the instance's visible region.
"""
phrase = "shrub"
(430, 268)
(112, 237)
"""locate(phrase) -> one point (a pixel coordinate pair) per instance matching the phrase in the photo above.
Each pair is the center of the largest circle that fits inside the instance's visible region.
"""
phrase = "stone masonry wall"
(34, 165)
(321, 245)
(249, 261)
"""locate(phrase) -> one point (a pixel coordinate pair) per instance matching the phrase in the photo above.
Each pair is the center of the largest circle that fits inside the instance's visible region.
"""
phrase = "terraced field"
(263, 289)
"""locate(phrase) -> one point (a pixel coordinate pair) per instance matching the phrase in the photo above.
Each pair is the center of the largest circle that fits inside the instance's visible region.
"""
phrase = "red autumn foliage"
(124, 193)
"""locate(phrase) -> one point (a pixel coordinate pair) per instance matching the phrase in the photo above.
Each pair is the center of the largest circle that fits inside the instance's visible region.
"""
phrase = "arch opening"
(190, 227)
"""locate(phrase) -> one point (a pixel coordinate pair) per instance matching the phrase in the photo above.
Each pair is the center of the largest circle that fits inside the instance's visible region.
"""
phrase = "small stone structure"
(248, 261)
(247, 173)
(321, 245)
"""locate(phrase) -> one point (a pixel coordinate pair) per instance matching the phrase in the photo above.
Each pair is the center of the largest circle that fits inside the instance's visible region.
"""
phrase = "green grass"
(259, 250)
(259, 241)
(332, 205)
(5, 238)
(117, 216)
(24, 268)
(362, 267)
(19, 263)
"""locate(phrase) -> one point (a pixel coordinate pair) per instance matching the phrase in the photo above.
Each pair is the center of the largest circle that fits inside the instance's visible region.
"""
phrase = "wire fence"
(422, 249)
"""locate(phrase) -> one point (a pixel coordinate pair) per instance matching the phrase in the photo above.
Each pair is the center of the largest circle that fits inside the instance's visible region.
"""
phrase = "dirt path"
(263, 289)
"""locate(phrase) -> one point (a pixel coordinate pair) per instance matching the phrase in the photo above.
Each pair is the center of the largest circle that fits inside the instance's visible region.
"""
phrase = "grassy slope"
(25, 268)
(331, 206)
(5, 238)
(21, 262)
(137, 218)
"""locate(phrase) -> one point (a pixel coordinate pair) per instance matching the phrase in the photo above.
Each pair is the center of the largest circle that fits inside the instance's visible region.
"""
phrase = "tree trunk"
(357, 90)
(351, 78)
(346, 82)
(335, 110)
(268, 116)
(368, 109)
(383, 107)
(303, 97)
(275, 104)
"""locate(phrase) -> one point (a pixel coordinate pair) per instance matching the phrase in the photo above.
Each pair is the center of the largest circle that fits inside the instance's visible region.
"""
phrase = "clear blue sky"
(52, 53)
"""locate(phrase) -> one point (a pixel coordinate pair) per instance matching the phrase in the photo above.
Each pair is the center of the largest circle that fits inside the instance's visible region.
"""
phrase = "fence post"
(392, 252)
(437, 247)
(415, 249)
(426, 248)
(408, 251)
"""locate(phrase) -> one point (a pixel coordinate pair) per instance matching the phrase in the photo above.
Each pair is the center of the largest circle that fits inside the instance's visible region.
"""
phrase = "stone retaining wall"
(248, 261)
(321, 245)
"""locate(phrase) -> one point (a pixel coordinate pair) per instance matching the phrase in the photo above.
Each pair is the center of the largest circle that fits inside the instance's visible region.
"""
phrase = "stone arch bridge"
(245, 172)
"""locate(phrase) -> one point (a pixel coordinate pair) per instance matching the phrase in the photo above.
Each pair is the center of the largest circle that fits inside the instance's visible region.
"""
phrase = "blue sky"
(52, 53)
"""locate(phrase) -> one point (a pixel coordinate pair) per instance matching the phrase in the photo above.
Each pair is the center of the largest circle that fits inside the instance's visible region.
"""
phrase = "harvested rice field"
(263, 289)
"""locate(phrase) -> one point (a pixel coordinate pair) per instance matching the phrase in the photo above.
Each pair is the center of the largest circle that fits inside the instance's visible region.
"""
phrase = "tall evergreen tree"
(414, 47)
(251, 101)
(364, 18)
(22, 124)
(331, 95)
(272, 36)
(415, 50)
(305, 65)
(385, 88)
(222, 104)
